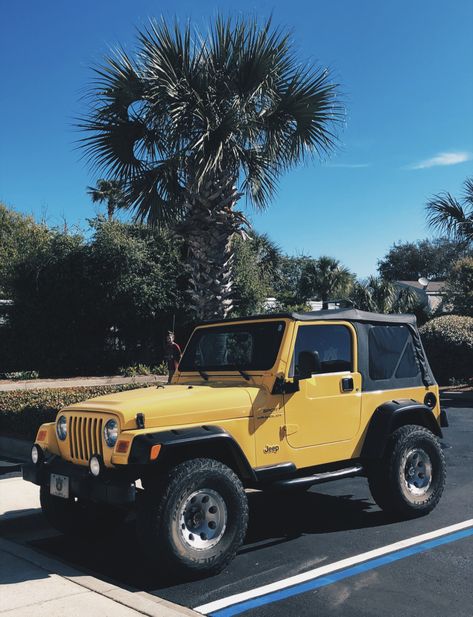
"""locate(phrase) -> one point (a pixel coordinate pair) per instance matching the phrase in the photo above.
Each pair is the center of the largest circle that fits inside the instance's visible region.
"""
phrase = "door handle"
(347, 384)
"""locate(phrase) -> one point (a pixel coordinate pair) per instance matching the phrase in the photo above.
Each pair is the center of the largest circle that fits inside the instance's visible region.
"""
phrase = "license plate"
(59, 486)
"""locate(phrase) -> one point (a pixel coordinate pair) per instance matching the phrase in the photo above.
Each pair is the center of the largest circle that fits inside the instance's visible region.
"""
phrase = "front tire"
(194, 519)
(410, 479)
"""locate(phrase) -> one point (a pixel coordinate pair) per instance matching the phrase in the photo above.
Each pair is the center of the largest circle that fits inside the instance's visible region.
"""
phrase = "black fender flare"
(391, 415)
(194, 441)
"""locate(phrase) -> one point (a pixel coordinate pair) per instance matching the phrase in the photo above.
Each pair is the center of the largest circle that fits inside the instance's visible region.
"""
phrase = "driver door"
(327, 407)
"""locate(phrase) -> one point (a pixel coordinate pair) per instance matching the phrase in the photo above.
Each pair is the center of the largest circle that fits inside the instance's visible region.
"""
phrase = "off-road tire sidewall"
(426, 441)
(158, 517)
(387, 481)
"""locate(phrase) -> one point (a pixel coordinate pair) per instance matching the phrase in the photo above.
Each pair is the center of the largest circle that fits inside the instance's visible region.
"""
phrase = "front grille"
(85, 437)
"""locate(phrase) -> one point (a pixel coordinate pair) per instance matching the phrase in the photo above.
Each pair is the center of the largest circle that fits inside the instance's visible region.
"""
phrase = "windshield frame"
(233, 367)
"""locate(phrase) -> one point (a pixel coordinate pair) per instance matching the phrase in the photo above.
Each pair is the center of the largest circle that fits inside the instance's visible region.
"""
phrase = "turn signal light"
(154, 453)
(122, 446)
(42, 435)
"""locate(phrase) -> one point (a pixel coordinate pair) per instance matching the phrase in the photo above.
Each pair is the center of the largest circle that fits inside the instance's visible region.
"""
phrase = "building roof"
(432, 287)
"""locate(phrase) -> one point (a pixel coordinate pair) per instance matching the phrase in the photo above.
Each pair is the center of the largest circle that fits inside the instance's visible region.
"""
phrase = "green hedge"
(448, 341)
(23, 411)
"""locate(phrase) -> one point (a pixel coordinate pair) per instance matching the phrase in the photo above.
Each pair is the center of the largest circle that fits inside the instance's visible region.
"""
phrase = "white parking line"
(217, 605)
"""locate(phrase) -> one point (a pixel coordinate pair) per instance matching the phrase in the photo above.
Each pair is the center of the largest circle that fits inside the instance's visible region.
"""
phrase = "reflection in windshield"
(252, 346)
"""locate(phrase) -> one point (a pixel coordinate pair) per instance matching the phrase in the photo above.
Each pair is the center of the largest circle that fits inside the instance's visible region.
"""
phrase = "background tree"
(381, 296)
(325, 279)
(196, 121)
(286, 283)
(90, 303)
(459, 293)
(452, 217)
(20, 235)
(407, 261)
(136, 277)
(257, 261)
(110, 192)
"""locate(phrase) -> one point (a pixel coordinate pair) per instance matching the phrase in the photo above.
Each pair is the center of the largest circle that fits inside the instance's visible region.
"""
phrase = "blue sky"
(405, 69)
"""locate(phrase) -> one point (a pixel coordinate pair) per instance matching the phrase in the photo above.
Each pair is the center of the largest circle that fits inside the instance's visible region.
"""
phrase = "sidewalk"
(33, 585)
(7, 385)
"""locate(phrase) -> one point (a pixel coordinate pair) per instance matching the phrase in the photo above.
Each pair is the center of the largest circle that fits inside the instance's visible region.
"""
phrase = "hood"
(174, 405)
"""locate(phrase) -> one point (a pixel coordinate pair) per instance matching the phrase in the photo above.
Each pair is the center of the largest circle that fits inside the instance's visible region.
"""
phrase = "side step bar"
(320, 478)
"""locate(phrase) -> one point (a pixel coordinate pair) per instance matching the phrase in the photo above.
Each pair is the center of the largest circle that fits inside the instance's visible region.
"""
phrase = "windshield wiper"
(241, 371)
(203, 374)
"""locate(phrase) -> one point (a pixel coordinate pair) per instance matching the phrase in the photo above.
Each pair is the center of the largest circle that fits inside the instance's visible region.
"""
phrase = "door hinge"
(290, 429)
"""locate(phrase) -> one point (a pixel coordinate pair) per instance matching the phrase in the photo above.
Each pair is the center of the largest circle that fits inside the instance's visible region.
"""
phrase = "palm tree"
(453, 217)
(194, 122)
(382, 296)
(110, 191)
(325, 279)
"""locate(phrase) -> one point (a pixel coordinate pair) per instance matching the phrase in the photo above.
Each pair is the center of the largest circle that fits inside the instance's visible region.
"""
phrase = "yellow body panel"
(318, 424)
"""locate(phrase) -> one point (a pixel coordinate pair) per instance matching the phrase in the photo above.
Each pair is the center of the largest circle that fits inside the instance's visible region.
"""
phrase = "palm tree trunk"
(208, 231)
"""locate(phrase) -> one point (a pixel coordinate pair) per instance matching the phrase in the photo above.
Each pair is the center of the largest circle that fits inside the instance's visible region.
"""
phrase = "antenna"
(423, 281)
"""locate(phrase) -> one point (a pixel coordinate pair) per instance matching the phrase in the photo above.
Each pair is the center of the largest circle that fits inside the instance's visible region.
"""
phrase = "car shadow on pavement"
(275, 518)
(287, 515)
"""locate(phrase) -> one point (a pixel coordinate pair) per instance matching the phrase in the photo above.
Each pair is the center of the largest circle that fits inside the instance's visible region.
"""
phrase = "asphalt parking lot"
(305, 554)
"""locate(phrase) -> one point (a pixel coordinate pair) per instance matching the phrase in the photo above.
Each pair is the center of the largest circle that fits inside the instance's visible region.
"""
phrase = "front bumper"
(110, 487)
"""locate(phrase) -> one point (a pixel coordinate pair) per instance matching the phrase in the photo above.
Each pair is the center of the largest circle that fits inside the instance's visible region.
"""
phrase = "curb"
(140, 601)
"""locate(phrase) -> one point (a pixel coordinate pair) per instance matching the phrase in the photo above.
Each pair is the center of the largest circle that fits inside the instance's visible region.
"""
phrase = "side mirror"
(308, 363)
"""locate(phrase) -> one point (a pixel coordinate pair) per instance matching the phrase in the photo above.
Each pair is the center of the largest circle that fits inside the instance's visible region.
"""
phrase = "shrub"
(448, 341)
(134, 370)
(143, 369)
(23, 411)
(20, 375)
(460, 287)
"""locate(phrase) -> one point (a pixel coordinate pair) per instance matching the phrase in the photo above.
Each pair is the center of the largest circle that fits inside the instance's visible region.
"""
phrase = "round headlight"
(61, 427)
(110, 433)
(94, 466)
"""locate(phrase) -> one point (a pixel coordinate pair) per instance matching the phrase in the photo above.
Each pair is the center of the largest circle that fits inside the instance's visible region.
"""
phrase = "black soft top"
(363, 323)
(347, 314)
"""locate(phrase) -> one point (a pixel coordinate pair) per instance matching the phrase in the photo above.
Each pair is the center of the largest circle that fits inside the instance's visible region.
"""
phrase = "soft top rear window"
(391, 353)
(253, 347)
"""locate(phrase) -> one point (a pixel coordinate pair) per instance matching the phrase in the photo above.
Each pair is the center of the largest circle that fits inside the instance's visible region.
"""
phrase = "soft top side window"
(391, 353)
(322, 349)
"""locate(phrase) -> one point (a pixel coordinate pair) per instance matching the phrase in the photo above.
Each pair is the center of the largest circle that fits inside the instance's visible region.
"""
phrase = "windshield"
(251, 347)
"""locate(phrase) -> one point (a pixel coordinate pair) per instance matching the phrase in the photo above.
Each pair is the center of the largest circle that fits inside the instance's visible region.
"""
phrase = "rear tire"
(409, 480)
(193, 520)
(79, 517)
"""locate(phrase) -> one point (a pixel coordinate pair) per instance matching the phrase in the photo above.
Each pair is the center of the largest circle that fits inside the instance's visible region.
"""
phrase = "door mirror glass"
(308, 363)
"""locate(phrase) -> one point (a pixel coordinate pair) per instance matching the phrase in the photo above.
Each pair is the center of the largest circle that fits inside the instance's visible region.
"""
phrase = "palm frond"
(155, 196)
(447, 215)
(234, 103)
(468, 192)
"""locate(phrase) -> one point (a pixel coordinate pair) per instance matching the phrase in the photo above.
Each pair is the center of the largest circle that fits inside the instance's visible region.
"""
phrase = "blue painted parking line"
(333, 573)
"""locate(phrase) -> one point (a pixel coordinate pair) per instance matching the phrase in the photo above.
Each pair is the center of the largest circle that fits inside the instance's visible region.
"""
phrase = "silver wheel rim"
(417, 471)
(202, 519)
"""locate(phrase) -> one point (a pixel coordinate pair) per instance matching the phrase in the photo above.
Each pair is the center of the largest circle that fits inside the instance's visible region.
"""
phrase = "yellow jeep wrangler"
(269, 402)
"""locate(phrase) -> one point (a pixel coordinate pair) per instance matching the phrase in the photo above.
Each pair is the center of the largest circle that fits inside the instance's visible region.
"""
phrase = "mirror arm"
(283, 386)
